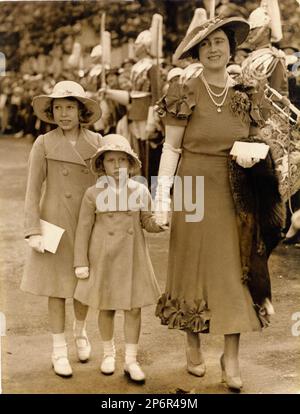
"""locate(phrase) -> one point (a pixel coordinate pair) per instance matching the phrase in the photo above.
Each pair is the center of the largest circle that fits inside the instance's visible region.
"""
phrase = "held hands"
(82, 272)
(246, 162)
(36, 242)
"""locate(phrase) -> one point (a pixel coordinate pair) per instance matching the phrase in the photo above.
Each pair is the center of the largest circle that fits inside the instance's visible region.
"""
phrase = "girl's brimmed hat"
(238, 25)
(115, 142)
(66, 89)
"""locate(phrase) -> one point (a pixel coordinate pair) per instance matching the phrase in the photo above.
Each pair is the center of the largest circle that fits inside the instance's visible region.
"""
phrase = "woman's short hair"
(84, 113)
(232, 44)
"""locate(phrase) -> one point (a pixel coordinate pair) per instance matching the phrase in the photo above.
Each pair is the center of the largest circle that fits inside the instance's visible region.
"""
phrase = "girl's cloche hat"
(115, 142)
(66, 89)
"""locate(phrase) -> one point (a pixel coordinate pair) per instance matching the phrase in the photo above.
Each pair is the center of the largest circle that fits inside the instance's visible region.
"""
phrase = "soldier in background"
(141, 98)
(266, 63)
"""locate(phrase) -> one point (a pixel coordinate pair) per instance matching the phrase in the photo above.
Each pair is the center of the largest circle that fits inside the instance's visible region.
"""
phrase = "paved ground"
(269, 361)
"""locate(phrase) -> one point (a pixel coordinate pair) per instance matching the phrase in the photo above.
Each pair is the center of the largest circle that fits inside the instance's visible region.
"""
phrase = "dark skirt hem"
(177, 314)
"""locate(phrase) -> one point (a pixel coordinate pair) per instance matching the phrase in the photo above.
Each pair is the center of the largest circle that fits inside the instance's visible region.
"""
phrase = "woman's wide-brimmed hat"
(238, 25)
(115, 142)
(66, 89)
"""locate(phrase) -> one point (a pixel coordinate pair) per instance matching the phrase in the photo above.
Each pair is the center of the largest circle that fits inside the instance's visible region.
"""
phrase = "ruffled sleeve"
(178, 104)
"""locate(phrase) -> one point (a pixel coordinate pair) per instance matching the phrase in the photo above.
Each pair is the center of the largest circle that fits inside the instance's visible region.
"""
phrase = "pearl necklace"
(211, 94)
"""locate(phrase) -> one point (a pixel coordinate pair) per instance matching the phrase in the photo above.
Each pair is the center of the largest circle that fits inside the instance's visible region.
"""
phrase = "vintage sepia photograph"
(150, 199)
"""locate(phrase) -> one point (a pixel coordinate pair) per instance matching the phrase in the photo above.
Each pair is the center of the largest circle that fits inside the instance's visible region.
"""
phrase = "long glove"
(82, 272)
(36, 242)
(167, 168)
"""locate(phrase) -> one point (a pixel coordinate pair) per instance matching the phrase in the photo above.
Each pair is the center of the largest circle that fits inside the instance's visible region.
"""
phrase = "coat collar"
(63, 150)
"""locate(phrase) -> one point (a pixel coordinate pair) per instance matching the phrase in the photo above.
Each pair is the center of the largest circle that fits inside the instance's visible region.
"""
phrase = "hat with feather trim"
(238, 25)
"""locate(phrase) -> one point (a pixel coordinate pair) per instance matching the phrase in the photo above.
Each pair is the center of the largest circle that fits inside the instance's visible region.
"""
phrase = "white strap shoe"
(61, 365)
(135, 372)
(108, 365)
(83, 348)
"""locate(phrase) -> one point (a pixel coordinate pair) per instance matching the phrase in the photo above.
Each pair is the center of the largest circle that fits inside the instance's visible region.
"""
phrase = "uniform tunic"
(58, 176)
(112, 244)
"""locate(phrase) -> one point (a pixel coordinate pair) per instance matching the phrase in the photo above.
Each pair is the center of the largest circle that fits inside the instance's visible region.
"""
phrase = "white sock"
(79, 327)
(130, 353)
(109, 348)
(59, 344)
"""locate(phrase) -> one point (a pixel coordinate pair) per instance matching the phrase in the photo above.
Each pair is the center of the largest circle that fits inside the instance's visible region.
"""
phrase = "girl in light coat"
(112, 261)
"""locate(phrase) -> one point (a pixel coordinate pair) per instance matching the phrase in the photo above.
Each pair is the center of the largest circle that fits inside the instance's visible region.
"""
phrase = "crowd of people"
(39, 42)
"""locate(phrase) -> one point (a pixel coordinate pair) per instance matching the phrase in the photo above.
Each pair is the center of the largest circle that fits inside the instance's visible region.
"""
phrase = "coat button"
(68, 195)
(65, 172)
(85, 170)
(111, 233)
(130, 231)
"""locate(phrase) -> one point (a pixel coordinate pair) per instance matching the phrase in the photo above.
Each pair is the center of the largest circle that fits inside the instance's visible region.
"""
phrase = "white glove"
(36, 242)
(82, 272)
(152, 123)
(246, 162)
(167, 167)
(267, 305)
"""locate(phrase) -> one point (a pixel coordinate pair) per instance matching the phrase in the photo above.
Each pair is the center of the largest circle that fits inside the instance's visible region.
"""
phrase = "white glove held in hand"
(246, 162)
(167, 168)
(36, 242)
(82, 272)
(267, 305)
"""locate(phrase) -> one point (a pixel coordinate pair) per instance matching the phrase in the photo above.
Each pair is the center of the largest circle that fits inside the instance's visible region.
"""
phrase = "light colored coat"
(112, 244)
(58, 177)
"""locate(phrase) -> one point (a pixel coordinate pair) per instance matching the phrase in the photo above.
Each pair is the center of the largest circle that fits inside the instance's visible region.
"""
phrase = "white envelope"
(51, 235)
(250, 149)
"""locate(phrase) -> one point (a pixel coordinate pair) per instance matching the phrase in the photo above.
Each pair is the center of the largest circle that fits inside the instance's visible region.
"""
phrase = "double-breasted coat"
(58, 177)
(112, 244)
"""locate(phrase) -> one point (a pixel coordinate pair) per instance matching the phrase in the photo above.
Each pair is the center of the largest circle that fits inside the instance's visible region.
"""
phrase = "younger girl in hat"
(111, 257)
(58, 176)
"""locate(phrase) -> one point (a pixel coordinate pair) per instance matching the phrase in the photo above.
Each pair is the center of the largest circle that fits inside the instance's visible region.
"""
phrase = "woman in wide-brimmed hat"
(59, 159)
(217, 270)
(111, 257)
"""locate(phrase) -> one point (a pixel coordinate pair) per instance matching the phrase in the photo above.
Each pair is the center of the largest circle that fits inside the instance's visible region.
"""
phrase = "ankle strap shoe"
(61, 366)
(134, 371)
(108, 365)
(83, 347)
